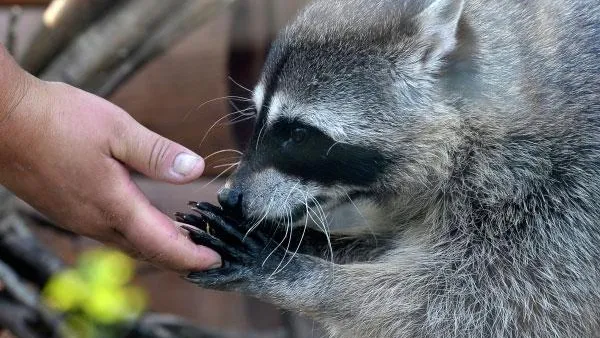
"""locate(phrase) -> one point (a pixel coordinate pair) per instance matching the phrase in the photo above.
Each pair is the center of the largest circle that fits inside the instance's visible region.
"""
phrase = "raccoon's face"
(345, 110)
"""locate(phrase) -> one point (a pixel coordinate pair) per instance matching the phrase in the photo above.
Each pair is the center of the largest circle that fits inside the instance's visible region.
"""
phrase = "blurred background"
(184, 69)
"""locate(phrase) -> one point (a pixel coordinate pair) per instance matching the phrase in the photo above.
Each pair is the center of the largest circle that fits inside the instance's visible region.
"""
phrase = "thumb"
(155, 156)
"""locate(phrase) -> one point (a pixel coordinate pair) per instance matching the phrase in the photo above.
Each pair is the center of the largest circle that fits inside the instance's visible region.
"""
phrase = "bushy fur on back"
(476, 128)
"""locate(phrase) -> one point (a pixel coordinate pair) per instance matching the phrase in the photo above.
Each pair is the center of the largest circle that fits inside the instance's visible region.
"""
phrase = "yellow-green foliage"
(97, 288)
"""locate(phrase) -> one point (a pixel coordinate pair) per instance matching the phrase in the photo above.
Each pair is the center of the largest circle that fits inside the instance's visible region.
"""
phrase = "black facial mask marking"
(305, 152)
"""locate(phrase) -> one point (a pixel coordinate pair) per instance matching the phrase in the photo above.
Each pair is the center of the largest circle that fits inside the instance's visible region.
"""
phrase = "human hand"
(66, 152)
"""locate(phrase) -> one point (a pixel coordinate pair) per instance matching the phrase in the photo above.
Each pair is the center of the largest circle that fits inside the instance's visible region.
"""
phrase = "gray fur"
(487, 223)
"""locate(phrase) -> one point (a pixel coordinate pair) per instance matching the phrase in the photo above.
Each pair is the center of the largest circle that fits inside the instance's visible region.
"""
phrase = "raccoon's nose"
(230, 199)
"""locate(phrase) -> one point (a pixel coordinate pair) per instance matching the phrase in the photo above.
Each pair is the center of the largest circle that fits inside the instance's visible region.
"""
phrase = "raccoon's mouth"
(312, 208)
(317, 208)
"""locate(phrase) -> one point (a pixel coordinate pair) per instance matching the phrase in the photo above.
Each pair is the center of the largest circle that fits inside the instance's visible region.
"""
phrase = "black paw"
(249, 256)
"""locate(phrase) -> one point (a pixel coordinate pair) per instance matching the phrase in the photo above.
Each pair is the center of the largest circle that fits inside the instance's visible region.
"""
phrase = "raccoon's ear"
(439, 27)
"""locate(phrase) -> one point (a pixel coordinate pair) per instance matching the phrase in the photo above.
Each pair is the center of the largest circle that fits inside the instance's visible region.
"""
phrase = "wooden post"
(62, 21)
(24, 2)
(108, 41)
(11, 38)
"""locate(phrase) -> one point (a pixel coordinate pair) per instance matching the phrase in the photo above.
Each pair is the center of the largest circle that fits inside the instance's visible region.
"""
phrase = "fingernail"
(184, 164)
(218, 263)
(215, 266)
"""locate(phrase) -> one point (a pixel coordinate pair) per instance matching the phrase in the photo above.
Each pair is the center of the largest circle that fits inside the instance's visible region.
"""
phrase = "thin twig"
(18, 290)
(11, 34)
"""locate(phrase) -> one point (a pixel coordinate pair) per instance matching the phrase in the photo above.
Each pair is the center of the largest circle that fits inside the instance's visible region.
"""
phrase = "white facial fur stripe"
(259, 96)
(319, 118)
(324, 123)
(275, 108)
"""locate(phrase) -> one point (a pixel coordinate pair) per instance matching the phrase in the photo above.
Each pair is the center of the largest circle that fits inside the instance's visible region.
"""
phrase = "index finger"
(160, 241)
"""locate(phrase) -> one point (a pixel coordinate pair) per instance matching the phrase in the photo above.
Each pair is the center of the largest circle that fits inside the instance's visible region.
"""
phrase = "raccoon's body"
(469, 131)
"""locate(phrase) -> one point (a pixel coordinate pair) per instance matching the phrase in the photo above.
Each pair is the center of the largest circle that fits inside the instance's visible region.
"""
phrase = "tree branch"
(61, 22)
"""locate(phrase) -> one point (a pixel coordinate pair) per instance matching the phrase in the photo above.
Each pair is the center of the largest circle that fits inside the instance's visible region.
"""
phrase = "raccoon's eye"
(298, 135)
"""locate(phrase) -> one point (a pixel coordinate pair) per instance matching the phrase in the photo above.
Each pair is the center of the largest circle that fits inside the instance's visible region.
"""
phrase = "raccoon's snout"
(230, 199)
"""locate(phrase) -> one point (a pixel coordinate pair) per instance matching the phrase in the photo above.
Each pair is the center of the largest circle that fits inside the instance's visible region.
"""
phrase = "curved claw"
(231, 215)
(201, 237)
(195, 220)
(221, 225)
(205, 206)
(216, 229)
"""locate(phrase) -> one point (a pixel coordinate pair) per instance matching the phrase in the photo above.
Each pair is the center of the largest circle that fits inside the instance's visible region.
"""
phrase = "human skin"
(69, 154)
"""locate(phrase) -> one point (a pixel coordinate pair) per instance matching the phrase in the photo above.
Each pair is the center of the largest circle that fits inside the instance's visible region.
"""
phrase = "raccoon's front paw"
(248, 257)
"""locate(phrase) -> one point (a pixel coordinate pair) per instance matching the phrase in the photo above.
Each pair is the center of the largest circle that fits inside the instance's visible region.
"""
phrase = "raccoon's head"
(348, 108)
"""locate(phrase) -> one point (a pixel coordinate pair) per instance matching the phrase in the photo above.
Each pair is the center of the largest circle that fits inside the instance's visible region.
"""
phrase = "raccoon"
(467, 132)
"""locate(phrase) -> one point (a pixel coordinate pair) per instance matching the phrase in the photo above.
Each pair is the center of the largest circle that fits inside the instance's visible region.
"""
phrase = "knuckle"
(158, 155)
(116, 220)
(118, 132)
(119, 128)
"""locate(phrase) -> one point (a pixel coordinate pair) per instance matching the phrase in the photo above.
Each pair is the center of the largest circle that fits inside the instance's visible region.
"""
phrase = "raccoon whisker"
(227, 165)
(259, 134)
(325, 231)
(240, 120)
(287, 249)
(306, 197)
(367, 223)
(223, 160)
(321, 220)
(223, 151)
(217, 123)
(280, 219)
(193, 110)
(275, 249)
(232, 103)
(287, 220)
(355, 207)
(239, 98)
(320, 213)
(333, 145)
(324, 224)
(277, 270)
(243, 112)
(294, 188)
(234, 106)
(257, 223)
(289, 242)
(218, 176)
(322, 217)
(303, 200)
(239, 85)
(299, 243)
